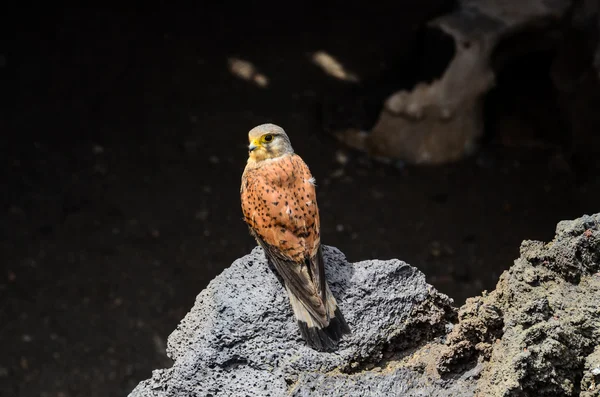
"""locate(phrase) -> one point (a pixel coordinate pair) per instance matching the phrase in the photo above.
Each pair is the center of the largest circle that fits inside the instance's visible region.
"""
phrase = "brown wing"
(280, 207)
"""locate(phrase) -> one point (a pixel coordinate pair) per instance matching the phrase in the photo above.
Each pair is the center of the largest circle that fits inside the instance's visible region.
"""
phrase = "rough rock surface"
(240, 337)
(537, 334)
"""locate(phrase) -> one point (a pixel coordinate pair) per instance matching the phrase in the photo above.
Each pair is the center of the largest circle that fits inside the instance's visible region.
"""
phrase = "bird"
(279, 206)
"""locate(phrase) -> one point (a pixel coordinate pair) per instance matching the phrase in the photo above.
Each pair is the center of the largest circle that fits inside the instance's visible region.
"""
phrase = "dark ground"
(124, 138)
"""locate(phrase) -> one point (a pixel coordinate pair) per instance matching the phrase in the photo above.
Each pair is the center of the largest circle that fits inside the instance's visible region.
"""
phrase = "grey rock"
(549, 328)
(240, 338)
(536, 334)
(397, 382)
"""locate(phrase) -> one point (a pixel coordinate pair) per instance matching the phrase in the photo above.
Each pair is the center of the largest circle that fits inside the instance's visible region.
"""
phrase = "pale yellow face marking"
(262, 148)
(267, 141)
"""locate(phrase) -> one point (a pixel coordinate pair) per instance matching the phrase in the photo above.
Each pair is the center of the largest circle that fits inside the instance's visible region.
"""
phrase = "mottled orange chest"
(279, 204)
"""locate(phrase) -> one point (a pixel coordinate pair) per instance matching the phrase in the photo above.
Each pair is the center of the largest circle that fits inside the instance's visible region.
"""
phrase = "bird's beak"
(252, 146)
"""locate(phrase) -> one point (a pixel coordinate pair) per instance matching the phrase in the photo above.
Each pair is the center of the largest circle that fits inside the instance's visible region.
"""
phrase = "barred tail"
(317, 335)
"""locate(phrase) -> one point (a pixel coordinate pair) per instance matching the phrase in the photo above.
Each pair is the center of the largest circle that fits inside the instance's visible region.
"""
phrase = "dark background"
(123, 139)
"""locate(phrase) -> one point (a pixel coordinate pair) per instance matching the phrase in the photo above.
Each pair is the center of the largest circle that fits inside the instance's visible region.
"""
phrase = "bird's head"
(268, 141)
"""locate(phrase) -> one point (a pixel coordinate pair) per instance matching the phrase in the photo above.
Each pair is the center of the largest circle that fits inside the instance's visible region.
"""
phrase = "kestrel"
(280, 207)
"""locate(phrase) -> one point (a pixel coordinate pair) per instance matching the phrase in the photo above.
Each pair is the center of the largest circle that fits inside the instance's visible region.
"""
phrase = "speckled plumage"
(279, 204)
(280, 207)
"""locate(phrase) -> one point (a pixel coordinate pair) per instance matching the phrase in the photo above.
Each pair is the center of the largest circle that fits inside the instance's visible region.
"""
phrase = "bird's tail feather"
(321, 337)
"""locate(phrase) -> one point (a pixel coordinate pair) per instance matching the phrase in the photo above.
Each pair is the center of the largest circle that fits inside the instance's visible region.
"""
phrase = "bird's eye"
(268, 138)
